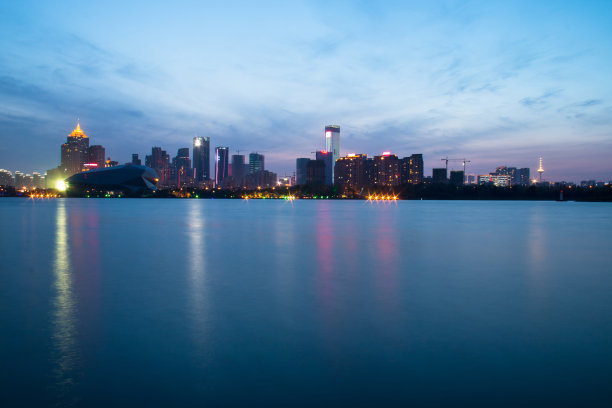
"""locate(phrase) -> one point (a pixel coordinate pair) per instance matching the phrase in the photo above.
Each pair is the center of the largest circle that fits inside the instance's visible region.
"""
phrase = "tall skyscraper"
(256, 162)
(221, 164)
(238, 167)
(75, 152)
(201, 158)
(326, 157)
(300, 171)
(97, 154)
(332, 143)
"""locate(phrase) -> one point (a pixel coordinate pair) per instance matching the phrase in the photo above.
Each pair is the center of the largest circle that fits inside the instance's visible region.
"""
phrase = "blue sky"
(500, 83)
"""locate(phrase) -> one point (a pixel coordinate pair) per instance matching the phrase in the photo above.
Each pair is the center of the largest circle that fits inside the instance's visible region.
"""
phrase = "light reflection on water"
(64, 311)
(196, 229)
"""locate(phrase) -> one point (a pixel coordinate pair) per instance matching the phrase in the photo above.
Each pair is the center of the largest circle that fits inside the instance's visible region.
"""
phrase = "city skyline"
(498, 84)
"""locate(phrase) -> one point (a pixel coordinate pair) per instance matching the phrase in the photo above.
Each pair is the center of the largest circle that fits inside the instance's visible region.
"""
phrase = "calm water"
(314, 303)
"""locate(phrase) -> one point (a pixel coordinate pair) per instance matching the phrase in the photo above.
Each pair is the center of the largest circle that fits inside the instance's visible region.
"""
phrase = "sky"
(496, 82)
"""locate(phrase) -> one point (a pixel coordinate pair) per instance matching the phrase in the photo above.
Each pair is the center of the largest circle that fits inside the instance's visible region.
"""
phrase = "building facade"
(332, 143)
(201, 158)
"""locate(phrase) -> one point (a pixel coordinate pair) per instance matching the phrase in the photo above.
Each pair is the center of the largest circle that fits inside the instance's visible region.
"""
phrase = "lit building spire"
(540, 169)
(78, 132)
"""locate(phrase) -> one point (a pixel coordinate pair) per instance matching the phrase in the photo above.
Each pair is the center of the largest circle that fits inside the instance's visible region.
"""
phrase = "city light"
(60, 185)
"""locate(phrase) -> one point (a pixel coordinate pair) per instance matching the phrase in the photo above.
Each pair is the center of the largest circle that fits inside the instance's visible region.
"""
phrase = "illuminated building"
(386, 170)
(75, 152)
(350, 172)
(501, 180)
(96, 155)
(332, 143)
(221, 164)
(201, 158)
(416, 168)
(326, 157)
(300, 171)
(6, 178)
(457, 177)
(256, 162)
(182, 173)
(38, 181)
(127, 178)
(439, 175)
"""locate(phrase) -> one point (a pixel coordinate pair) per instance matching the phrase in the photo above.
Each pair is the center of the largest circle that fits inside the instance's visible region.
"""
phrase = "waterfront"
(303, 303)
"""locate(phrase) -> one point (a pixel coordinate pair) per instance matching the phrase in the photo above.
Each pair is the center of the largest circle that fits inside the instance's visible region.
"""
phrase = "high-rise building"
(386, 170)
(300, 171)
(201, 158)
(326, 157)
(221, 164)
(75, 152)
(523, 177)
(457, 177)
(501, 180)
(160, 161)
(416, 168)
(439, 175)
(6, 178)
(315, 172)
(332, 143)
(350, 172)
(256, 162)
(136, 160)
(96, 155)
(238, 168)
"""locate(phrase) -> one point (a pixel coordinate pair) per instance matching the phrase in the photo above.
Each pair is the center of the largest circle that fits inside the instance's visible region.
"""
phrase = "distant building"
(350, 172)
(300, 171)
(221, 164)
(457, 177)
(315, 173)
(95, 155)
(262, 178)
(201, 158)
(75, 152)
(38, 181)
(386, 170)
(502, 180)
(416, 168)
(256, 162)
(326, 157)
(439, 175)
(238, 170)
(159, 160)
(182, 172)
(135, 160)
(6, 178)
(332, 143)
(522, 177)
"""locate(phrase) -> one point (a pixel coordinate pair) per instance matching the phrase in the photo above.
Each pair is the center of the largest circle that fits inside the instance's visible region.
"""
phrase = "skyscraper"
(332, 143)
(238, 170)
(350, 172)
(300, 171)
(221, 164)
(97, 154)
(75, 151)
(201, 158)
(256, 162)
(136, 160)
(416, 168)
(326, 157)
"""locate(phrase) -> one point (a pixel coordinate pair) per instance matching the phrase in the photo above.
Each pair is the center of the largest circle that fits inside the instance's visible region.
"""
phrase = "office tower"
(201, 158)
(136, 160)
(326, 157)
(181, 171)
(386, 170)
(300, 171)
(75, 151)
(160, 161)
(456, 177)
(221, 164)
(332, 142)
(439, 176)
(96, 156)
(523, 177)
(416, 168)
(38, 181)
(238, 170)
(256, 163)
(350, 172)
(315, 172)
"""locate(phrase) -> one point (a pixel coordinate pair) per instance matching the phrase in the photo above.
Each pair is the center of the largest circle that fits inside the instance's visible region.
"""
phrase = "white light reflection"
(197, 265)
(64, 313)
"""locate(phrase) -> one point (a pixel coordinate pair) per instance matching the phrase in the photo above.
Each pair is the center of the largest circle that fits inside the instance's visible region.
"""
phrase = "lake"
(152, 302)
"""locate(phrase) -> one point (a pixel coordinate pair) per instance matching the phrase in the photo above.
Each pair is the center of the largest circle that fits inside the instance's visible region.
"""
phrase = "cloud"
(542, 101)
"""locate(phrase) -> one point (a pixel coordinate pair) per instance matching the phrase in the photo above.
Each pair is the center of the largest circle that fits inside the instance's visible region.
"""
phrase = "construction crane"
(465, 161)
